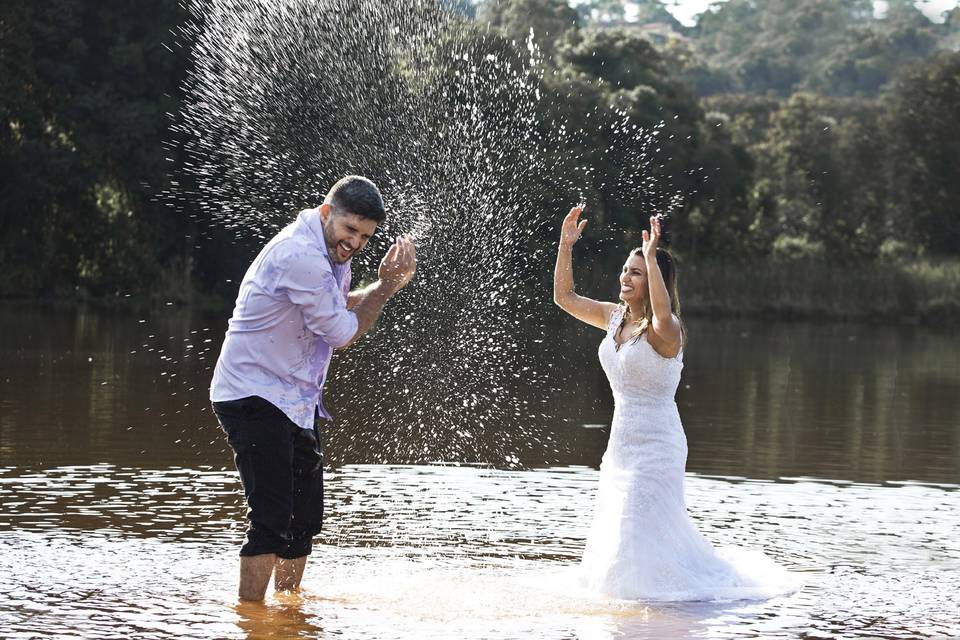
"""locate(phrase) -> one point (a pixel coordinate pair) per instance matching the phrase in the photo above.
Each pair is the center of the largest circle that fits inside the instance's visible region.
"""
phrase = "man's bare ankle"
(289, 573)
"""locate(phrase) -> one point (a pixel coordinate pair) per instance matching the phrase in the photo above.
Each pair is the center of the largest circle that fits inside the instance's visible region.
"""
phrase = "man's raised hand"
(400, 263)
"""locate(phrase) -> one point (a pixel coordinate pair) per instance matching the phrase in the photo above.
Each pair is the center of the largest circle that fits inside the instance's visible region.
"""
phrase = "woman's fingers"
(654, 234)
(570, 229)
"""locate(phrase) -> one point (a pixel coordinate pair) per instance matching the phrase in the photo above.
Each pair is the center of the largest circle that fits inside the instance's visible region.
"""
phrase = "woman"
(642, 544)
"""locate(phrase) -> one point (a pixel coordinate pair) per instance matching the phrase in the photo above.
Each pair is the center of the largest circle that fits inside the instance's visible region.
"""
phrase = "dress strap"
(616, 316)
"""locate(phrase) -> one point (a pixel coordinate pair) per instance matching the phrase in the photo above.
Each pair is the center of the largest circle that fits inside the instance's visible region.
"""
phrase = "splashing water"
(286, 97)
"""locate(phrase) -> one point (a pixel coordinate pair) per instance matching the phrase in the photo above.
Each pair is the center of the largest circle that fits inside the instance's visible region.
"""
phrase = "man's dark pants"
(281, 468)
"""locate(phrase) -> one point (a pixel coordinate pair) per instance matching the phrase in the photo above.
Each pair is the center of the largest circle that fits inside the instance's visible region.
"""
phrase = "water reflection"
(854, 402)
(758, 400)
(286, 616)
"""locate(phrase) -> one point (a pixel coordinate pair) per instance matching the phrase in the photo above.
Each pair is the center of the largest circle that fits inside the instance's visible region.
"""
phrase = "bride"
(642, 544)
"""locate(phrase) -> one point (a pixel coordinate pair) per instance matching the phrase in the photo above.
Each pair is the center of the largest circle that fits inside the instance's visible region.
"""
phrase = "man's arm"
(355, 296)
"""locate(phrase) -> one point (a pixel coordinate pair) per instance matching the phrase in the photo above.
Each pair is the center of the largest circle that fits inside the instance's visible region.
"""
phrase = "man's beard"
(332, 246)
(332, 250)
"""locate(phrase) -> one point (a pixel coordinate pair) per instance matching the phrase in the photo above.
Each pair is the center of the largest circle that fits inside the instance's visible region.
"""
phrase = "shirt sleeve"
(308, 283)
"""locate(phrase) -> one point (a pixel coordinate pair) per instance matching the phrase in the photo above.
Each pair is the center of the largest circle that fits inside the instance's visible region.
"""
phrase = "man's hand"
(400, 263)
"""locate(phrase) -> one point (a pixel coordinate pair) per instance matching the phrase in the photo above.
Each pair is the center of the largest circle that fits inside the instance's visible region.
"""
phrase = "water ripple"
(102, 551)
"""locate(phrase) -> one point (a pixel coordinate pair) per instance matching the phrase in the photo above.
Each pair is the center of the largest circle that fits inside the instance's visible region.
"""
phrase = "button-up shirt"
(290, 314)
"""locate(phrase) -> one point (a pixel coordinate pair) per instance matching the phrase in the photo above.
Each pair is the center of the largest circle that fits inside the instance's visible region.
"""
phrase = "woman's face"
(633, 281)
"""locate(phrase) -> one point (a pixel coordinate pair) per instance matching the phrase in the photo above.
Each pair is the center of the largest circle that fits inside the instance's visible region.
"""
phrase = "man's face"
(345, 233)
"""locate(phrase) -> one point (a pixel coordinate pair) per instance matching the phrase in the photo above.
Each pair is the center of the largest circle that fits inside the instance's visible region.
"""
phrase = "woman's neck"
(635, 316)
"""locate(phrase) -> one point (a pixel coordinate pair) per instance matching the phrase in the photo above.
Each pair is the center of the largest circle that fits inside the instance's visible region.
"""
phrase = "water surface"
(832, 448)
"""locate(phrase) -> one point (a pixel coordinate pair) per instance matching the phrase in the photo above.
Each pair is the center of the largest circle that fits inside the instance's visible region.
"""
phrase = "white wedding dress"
(642, 544)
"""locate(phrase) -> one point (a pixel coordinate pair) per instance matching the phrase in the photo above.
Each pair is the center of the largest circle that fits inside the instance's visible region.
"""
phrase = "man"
(293, 309)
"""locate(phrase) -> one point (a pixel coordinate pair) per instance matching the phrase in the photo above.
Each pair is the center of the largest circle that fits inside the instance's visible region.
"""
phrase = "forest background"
(826, 138)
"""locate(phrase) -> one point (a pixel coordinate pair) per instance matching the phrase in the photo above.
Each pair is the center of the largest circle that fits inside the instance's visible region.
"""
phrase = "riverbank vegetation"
(814, 143)
(918, 292)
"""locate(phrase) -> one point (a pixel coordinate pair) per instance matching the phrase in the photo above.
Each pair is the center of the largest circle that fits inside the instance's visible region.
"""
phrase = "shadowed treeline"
(812, 144)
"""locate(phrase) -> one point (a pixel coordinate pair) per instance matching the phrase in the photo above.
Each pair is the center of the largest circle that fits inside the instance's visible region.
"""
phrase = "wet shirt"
(290, 314)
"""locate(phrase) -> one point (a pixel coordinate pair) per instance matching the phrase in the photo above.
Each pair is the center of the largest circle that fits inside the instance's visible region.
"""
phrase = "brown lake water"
(834, 448)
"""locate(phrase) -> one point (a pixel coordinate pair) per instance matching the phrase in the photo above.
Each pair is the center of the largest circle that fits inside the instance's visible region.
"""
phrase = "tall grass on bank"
(926, 292)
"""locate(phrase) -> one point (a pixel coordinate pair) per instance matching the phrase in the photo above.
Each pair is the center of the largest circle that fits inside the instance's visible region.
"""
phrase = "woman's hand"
(570, 230)
(651, 239)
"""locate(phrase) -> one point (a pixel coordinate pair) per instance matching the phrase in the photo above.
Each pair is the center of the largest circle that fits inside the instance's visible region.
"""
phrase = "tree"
(682, 164)
(606, 11)
(951, 30)
(655, 11)
(923, 128)
(870, 56)
(836, 47)
(84, 98)
(548, 20)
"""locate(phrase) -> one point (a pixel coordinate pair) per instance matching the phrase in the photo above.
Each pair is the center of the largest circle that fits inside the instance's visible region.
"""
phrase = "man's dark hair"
(356, 194)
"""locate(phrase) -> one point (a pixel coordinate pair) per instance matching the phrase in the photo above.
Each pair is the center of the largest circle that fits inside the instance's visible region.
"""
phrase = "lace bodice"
(636, 371)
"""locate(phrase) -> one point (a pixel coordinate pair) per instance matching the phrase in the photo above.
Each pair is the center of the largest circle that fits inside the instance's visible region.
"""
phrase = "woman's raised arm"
(665, 326)
(593, 312)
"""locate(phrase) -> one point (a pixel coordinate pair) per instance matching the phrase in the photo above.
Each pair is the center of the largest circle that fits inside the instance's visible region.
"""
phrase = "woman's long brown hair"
(669, 271)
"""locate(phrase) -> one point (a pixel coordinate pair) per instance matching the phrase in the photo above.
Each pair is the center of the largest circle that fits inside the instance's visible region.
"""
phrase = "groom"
(293, 309)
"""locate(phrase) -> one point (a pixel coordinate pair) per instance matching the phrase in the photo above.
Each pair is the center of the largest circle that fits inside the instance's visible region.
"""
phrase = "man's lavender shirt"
(291, 313)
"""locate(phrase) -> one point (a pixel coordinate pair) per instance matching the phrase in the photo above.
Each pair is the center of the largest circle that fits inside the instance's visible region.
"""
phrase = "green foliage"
(84, 96)
(603, 75)
(896, 251)
(549, 20)
(696, 70)
(924, 127)
(797, 131)
(914, 290)
(793, 249)
(809, 160)
(836, 47)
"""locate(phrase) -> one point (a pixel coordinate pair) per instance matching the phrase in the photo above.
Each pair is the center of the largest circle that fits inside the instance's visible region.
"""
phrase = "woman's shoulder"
(667, 348)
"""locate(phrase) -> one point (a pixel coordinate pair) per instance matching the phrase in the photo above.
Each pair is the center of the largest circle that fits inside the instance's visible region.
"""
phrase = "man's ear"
(325, 210)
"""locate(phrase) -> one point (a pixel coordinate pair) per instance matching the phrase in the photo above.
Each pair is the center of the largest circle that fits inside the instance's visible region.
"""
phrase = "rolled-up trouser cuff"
(297, 549)
(263, 542)
(261, 539)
